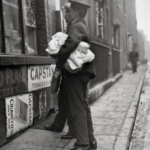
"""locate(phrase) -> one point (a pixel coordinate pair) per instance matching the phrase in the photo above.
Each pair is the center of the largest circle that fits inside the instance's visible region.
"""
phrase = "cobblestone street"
(113, 117)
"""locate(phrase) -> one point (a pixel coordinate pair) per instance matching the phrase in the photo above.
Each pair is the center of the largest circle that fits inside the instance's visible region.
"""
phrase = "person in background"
(134, 57)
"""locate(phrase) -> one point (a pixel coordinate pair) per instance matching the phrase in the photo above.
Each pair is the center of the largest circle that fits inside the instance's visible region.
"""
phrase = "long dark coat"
(134, 56)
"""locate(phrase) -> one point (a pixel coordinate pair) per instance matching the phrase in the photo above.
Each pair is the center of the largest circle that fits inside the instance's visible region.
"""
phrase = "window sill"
(7, 60)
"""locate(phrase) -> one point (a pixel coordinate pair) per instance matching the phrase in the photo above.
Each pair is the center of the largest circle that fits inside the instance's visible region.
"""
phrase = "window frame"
(107, 24)
(102, 20)
(22, 28)
(100, 11)
(116, 32)
(21, 24)
(42, 58)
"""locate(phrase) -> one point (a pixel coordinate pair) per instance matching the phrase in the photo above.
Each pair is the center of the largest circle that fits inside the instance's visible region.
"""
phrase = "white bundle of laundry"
(77, 58)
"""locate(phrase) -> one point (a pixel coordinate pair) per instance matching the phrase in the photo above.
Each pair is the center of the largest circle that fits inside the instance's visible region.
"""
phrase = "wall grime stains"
(13, 81)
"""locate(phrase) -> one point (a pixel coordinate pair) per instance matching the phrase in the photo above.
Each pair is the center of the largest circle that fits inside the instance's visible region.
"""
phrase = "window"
(100, 19)
(13, 40)
(116, 36)
(29, 26)
(129, 37)
(19, 27)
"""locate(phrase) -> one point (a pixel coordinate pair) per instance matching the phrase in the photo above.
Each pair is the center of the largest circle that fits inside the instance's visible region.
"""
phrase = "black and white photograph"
(74, 74)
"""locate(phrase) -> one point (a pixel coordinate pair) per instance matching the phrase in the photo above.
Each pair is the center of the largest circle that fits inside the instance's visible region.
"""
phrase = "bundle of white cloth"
(77, 58)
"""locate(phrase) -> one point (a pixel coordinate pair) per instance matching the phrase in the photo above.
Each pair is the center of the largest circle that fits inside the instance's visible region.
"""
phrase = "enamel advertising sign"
(39, 77)
(13, 81)
(19, 112)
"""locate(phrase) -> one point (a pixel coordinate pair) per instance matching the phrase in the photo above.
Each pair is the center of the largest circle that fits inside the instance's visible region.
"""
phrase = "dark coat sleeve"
(75, 36)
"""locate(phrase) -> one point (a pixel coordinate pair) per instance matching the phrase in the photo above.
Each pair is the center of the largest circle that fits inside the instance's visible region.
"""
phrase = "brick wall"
(43, 32)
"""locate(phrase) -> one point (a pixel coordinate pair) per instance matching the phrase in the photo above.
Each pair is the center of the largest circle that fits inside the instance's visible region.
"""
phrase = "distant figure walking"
(134, 57)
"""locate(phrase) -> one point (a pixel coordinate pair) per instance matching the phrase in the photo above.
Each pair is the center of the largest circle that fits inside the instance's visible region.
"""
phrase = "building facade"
(25, 68)
(26, 27)
(124, 29)
(147, 49)
(141, 45)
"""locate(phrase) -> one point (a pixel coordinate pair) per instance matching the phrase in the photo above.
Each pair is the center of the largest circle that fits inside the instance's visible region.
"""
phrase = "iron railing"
(100, 63)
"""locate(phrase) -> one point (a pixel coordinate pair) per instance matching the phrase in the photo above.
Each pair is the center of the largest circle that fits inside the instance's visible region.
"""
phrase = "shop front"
(25, 68)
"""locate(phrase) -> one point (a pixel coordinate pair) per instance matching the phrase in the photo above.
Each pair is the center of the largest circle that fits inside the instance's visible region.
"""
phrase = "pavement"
(141, 134)
(113, 117)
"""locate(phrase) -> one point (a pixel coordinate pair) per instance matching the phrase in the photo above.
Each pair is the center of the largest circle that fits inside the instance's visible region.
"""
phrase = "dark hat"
(81, 2)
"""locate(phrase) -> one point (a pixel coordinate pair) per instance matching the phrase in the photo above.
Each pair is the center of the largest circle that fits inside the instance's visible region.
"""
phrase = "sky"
(143, 16)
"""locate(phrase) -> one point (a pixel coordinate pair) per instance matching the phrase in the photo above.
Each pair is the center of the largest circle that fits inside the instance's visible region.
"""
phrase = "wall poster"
(39, 77)
(19, 113)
